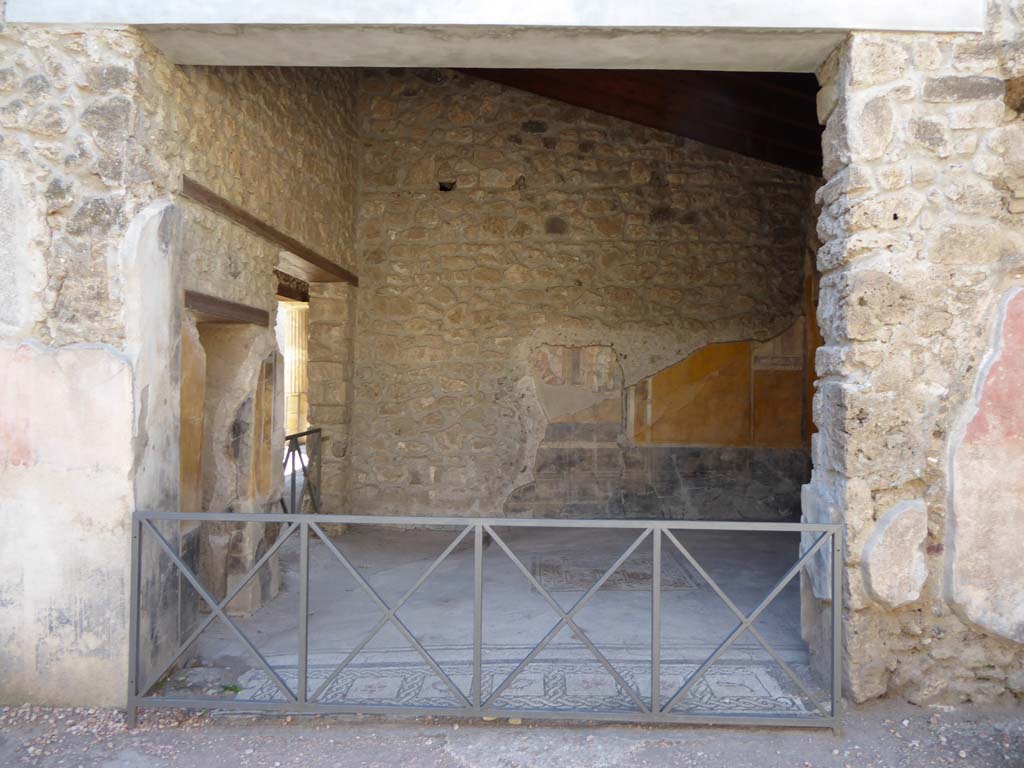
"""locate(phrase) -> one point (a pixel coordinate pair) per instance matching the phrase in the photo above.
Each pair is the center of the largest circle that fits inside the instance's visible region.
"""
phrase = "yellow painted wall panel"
(778, 409)
(704, 399)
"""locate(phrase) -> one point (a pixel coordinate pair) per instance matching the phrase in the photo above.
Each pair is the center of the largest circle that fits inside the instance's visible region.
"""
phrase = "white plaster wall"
(753, 35)
(65, 507)
(949, 15)
(22, 239)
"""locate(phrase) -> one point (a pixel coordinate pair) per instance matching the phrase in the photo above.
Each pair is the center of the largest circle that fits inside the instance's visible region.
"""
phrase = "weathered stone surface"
(987, 523)
(971, 243)
(331, 365)
(918, 243)
(952, 88)
(893, 559)
(873, 129)
(931, 134)
(877, 61)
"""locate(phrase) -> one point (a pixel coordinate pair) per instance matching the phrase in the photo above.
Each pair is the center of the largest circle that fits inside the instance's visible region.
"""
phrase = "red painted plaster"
(1000, 416)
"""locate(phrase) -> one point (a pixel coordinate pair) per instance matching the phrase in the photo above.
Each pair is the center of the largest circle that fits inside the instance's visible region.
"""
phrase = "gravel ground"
(882, 735)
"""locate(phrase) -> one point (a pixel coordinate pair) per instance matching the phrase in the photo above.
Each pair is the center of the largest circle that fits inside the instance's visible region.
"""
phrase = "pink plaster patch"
(15, 434)
(1000, 416)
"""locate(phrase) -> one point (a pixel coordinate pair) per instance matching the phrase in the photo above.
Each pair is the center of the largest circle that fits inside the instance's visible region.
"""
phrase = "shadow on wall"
(720, 435)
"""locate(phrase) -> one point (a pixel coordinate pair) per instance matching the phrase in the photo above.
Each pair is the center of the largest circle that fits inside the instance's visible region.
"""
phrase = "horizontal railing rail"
(475, 702)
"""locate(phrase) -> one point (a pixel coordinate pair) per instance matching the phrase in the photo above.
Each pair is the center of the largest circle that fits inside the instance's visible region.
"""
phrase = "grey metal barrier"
(819, 540)
(311, 466)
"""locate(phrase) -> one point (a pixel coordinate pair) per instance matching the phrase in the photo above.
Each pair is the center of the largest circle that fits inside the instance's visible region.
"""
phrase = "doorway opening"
(585, 317)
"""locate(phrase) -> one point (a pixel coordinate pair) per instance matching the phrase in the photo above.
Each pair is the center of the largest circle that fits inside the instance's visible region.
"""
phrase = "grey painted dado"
(582, 471)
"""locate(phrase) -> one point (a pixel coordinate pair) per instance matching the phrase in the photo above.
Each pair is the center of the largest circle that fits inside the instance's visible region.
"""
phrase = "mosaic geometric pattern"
(729, 687)
(556, 574)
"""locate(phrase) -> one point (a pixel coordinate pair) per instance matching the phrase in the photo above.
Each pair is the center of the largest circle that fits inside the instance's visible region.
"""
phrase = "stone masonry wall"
(96, 128)
(559, 227)
(224, 127)
(331, 365)
(80, 220)
(918, 449)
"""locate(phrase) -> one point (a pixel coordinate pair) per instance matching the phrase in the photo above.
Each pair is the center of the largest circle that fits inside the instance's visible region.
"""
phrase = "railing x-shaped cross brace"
(217, 608)
(390, 614)
(746, 623)
(566, 619)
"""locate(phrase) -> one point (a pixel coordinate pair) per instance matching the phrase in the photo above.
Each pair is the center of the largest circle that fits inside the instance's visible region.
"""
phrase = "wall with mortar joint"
(922, 244)
(564, 227)
(96, 127)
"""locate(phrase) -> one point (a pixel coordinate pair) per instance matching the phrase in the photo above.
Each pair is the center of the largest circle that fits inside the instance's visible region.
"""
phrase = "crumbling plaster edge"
(526, 389)
(956, 436)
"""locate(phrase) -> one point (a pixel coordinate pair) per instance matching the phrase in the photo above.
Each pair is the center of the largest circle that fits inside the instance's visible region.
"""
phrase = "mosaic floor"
(555, 574)
(557, 680)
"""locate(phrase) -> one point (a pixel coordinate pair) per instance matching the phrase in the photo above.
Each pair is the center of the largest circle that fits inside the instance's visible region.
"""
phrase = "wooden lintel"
(298, 259)
(220, 310)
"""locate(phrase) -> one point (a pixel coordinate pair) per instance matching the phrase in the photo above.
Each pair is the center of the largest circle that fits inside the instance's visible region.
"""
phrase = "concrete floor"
(883, 734)
(565, 676)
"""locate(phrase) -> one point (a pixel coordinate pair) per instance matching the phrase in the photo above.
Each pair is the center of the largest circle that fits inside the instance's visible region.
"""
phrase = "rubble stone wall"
(918, 450)
(96, 129)
(494, 223)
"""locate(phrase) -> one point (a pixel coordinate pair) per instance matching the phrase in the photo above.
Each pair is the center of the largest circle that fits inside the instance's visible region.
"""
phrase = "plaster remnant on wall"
(587, 466)
(21, 256)
(64, 605)
(893, 560)
(986, 525)
(573, 379)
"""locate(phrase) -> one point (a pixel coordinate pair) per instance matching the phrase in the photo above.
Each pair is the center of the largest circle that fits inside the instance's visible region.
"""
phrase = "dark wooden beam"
(212, 309)
(297, 259)
(767, 116)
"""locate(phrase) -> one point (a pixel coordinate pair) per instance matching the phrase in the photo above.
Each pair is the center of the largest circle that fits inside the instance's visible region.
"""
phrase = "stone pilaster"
(331, 334)
(920, 244)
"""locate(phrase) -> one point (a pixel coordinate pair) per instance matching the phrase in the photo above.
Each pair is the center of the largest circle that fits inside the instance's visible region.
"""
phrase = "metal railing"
(311, 466)
(652, 708)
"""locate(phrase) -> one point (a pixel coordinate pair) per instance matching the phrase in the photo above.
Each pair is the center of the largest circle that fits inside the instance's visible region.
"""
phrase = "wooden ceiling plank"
(739, 112)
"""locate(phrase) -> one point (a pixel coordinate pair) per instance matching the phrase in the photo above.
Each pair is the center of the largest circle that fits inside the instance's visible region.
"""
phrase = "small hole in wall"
(446, 186)
(895, 217)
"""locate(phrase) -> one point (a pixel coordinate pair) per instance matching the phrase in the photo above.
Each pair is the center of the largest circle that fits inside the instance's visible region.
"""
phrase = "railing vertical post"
(291, 455)
(303, 609)
(319, 467)
(837, 625)
(135, 596)
(656, 623)
(478, 613)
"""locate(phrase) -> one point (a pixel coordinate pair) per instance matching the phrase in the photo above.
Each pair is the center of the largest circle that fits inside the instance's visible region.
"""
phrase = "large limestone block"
(894, 561)
(872, 129)
(984, 581)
